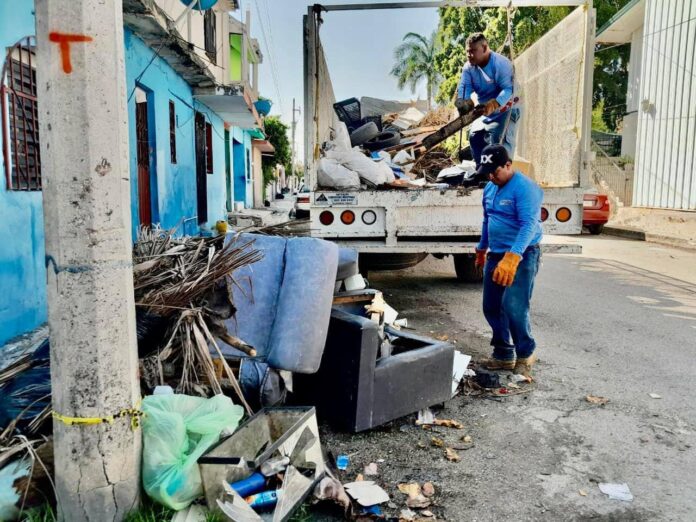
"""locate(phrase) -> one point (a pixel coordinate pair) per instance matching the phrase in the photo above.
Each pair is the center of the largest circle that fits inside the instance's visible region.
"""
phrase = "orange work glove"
(490, 107)
(504, 273)
(480, 258)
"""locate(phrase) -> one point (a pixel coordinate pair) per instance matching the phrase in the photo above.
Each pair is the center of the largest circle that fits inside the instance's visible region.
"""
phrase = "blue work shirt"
(494, 80)
(511, 215)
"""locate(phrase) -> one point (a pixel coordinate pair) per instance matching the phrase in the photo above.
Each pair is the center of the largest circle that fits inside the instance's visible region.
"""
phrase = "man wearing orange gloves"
(509, 254)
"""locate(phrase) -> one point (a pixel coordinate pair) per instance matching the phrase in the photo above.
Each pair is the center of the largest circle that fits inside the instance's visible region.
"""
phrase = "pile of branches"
(438, 117)
(431, 163)
(186, 285)
(170, 274)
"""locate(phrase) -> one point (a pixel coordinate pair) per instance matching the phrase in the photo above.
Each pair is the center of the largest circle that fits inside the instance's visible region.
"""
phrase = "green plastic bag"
(177, 430)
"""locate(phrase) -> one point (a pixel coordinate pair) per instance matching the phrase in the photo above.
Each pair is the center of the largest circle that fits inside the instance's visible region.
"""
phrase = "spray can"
(250, 485)
(264, 499)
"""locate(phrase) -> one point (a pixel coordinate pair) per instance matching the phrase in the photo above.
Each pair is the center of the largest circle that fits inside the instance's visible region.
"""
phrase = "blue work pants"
(507, 308)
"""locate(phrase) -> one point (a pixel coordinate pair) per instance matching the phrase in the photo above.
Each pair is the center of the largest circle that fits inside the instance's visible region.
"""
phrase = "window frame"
(210, 35)
(20, 177)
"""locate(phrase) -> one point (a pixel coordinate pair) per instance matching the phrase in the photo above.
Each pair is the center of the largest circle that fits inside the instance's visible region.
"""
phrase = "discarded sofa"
(357, 389)
(284, 301)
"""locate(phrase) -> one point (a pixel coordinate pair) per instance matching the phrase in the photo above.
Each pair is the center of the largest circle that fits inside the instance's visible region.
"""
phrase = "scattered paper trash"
(583, 493)
(428, 489)
(416, 499)
(427, 514)
(342, 462)
(517, 378)
(592, 399)
(655, 396)
(371, 470)
(461, 364)
(616, 491)
(452, 455)
(366, 493)
(401, 323)
(425, 417)
(407, 515)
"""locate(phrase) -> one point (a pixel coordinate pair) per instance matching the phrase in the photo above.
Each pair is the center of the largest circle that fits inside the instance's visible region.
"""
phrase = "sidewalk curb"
(640, 235)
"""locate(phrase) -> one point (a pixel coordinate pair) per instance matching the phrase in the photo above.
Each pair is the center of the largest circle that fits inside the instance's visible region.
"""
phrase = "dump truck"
(396, 228)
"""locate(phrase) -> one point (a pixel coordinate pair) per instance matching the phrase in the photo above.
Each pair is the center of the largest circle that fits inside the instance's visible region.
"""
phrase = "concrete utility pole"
(86, 194)
(294, 126)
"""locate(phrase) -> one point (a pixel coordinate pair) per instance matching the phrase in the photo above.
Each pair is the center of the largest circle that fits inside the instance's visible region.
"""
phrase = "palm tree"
(415, 61)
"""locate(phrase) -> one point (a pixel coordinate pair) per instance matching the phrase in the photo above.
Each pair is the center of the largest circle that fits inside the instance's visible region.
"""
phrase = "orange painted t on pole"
(64, 40)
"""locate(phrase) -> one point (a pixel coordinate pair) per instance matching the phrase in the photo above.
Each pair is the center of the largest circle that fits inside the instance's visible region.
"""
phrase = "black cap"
(492, 157)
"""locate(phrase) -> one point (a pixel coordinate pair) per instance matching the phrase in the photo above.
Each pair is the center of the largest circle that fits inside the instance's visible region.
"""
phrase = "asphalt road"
(618, 322)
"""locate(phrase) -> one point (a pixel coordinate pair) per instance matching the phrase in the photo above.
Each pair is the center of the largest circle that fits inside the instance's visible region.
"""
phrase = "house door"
(143, 160)
(201, 180)
(228, 172)
(238, 164)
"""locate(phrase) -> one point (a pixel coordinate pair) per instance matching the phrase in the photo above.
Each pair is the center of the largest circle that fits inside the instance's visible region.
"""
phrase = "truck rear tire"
(465, 267)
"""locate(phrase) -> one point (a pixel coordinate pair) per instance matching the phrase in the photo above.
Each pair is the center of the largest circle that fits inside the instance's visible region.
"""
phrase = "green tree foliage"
(415, 61)
(598, 122)
(528, 25)
(277, 133)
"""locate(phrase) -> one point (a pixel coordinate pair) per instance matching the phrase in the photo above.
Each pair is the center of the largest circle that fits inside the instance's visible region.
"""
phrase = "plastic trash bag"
(375, 172)
(177, 430)
(331, 174)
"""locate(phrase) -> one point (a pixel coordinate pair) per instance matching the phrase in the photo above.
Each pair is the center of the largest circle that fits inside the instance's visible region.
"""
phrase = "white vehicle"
(302, 202)
(392, 227)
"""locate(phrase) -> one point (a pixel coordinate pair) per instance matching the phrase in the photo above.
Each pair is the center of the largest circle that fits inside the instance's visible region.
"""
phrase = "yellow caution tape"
(133, 413)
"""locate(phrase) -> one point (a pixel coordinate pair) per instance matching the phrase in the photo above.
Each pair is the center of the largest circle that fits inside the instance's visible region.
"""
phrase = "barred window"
(19, 114)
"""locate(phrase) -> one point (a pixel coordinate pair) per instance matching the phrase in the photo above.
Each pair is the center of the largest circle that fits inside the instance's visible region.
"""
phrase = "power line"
(271, 56)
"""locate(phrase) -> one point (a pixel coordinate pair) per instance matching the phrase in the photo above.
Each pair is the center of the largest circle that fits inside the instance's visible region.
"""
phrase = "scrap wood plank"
(421, 130)
(450, 129)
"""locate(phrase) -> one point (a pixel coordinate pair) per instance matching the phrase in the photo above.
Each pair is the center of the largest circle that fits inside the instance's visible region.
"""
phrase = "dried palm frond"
(438, 117)
(171, 274)
(188, 350)
(431, 163)
(293, 228)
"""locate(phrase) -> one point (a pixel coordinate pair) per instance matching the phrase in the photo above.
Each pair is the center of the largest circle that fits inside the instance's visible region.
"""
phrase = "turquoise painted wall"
(22, 269)
(240, 172)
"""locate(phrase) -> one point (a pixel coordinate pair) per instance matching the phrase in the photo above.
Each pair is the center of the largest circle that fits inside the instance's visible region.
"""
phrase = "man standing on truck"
(509, 254)
(490, 76)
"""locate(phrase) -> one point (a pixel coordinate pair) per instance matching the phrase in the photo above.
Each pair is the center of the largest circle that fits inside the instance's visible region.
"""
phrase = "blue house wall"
(175, 182)
(242, 176)
(22, 256)
(22, 268)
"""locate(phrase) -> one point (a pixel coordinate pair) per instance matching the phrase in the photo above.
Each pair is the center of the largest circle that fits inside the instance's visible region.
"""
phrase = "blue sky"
(359, 47)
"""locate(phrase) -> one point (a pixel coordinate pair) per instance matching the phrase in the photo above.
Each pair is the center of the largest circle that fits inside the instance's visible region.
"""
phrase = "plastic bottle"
(250, 485)
(274, 466)
(264, 499)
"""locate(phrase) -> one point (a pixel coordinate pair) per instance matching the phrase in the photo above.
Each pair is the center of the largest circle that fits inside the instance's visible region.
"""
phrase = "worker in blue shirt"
(490, 76)
(509, 255)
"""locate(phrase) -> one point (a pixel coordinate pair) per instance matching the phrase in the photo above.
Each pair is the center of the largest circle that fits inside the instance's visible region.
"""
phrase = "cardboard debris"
(449, 423)
(371, 470)
(428, 489)
(366, 493)
(437, 442)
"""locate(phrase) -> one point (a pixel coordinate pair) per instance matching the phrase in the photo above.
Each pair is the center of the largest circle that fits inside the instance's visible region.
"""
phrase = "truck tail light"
(303, 199)
(369, 217)
(347, 217)
(326, 218)
(563, 214)
(544, 214)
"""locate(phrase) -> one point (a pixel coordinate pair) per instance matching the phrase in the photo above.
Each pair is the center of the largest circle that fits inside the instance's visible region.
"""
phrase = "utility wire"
(271, 55)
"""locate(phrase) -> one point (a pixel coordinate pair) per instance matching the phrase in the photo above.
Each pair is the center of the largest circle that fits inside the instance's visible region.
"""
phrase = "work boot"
(498, 364)
(524, 366)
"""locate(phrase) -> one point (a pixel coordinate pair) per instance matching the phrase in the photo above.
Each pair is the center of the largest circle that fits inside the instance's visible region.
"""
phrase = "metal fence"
(608, 173)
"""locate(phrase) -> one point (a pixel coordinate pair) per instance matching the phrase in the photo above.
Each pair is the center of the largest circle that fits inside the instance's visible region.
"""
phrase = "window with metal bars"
(208, 148)
(20, 117)
(172, 131)
(209, 35)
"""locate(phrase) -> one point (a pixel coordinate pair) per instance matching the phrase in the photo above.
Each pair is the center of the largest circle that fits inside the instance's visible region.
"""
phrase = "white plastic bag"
(377, 173)
(331, 174)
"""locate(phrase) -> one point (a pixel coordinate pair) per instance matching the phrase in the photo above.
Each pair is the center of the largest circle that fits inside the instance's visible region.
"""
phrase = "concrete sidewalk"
(668, 227)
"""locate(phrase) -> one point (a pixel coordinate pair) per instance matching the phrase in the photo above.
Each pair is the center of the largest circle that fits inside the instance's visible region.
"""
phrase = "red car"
(595, 212)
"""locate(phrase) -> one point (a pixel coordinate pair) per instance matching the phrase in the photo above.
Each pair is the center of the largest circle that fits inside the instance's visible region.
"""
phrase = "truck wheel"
(464, 266)
(595, 230)
(363, 134)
